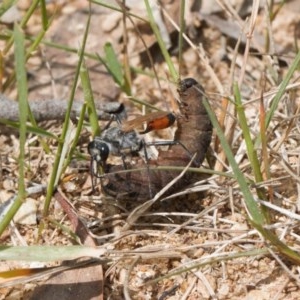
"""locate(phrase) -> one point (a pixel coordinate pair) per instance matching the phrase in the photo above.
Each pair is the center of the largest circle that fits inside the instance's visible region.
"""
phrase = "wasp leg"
(123, 157)
(92, 174)
(170, 143)
(144, 145)
(118, 116)
(94, 169)
(112, 118)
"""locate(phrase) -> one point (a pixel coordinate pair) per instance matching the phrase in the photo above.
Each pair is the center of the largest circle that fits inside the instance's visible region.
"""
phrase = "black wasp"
(123, 139)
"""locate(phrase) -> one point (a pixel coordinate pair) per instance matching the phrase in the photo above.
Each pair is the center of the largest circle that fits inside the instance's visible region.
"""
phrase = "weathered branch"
(52, 109)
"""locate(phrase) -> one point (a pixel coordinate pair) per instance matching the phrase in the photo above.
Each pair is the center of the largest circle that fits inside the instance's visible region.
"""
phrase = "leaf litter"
(198, 245)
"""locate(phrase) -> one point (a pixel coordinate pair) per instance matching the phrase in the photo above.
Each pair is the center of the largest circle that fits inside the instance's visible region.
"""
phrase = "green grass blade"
(30, 129)
(88, 105)
(6, 5)
(294, 66)
(24, 21)
(117, 8)
(47, 253)
(89, 100)
(251, 152)
(140, 102)
(113, 64)
(76, 138)
(23, 115)
(281, 246)
(115, 68)
(45, 21)
(161, 43)
(257, 218)
(253, 207)
(55, 174)
(23, 101)
(31, 49)
(252, 155)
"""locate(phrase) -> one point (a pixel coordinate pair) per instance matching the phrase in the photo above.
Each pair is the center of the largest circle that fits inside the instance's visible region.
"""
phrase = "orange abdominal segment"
(160, 123)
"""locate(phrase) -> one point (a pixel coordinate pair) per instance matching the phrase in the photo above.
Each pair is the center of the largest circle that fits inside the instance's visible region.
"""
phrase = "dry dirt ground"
(209, 228)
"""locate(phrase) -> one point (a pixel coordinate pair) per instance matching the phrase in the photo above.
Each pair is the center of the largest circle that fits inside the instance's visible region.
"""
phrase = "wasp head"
(98, 150)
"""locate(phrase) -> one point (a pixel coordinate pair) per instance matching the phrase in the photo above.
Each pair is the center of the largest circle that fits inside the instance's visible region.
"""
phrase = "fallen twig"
(52, 109)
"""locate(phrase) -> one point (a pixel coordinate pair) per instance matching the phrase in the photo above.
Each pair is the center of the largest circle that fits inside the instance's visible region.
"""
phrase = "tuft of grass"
(5, 6)
(29, 50)
(161, 43)
(20, 60)
(115, 68)
(60, 154)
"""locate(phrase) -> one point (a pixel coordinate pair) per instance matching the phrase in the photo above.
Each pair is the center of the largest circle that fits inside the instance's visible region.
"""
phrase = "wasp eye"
(103, 150)
(99, 151)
